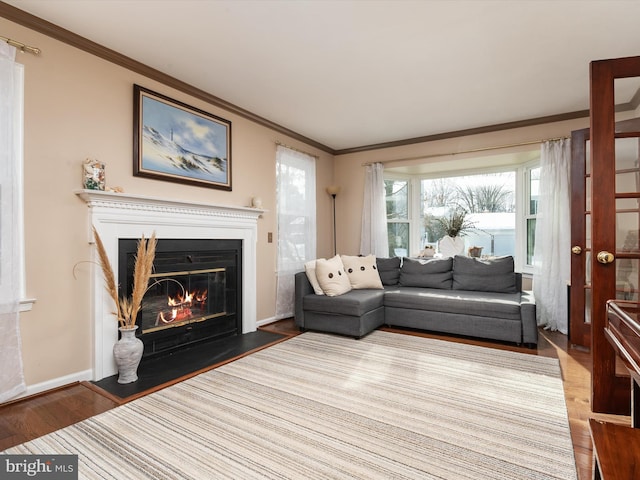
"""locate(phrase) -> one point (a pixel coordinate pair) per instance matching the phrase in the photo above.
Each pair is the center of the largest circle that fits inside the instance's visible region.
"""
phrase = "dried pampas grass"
(127, 308)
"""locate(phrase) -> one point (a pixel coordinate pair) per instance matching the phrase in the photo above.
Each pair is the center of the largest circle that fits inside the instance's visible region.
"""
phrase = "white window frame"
(411, 208)
(520, 194)
(288, 265)
(15, 216)
(525, 198)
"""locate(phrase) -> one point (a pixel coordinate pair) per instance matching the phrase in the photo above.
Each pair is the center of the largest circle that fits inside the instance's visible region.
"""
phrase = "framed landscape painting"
(179, 143)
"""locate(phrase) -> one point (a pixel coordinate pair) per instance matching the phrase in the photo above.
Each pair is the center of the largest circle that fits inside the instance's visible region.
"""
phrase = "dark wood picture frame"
(175, 142)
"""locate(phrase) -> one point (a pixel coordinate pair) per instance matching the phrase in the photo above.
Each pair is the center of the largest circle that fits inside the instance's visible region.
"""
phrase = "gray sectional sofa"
(459, 295)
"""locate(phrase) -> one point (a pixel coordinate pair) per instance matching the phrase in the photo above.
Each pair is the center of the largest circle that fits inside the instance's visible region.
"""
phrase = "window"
(12, 274)
(11, 222)
(489, 202)
(501, 203)
(296, 210)
(532, 195)
(398, 226)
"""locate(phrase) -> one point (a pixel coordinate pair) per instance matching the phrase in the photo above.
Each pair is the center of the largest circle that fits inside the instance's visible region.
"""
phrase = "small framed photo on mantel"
(179, 143)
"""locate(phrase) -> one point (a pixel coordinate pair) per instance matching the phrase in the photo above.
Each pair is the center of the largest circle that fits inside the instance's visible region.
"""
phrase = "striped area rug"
(317, 406)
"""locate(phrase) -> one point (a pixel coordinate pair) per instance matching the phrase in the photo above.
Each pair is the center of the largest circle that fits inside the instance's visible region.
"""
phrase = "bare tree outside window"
(441, 193)
(488, 201)
(485, 198)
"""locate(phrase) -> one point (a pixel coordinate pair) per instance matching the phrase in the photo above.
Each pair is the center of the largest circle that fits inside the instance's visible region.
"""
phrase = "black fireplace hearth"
(159, 371)
(194, 294)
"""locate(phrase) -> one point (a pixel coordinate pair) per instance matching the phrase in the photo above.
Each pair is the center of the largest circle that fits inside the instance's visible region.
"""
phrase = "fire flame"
(181, 306)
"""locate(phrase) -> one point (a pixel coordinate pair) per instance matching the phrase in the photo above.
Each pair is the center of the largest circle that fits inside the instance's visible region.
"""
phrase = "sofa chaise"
(460, 295)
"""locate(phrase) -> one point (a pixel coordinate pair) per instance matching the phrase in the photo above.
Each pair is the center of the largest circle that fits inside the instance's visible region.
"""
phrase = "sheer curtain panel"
(552, 254)
(296, 211)
(11, 101)
(373, 236)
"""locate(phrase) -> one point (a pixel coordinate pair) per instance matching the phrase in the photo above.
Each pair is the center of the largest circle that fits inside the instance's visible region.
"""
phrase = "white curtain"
(373, 237)
(552, 254)
(296, 211)
(11, 101)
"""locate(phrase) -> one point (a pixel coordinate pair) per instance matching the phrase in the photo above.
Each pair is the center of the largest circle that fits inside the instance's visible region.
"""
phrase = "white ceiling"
(354, 73)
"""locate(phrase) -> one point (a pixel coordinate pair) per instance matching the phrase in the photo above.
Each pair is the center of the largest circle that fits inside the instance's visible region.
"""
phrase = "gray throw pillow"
(434, 273)
(389, 270)
(490, 275)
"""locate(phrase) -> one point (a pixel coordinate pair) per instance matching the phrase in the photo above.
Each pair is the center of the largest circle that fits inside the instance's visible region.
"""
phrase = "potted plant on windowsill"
(454, 226)
(128, 349)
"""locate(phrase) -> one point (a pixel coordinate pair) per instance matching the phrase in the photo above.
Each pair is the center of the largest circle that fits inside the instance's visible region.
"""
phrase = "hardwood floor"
(33, 417)
(30, 418)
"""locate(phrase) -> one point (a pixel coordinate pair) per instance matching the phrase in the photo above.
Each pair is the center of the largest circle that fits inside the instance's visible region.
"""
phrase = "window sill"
(26, 304)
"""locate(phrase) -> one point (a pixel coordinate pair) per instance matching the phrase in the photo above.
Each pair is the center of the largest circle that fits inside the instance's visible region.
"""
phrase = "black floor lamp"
(334, 190)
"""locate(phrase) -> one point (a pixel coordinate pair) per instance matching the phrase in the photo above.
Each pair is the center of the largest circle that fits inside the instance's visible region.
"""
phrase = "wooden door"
(614, 226)
(580, 297)
(627, 280)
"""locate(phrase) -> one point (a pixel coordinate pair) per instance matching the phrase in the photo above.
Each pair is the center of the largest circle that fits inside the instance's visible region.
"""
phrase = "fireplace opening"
(194, 292)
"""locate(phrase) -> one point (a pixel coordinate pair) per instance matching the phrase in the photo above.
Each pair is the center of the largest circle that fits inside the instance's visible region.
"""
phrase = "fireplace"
(194, 294)
(126, 216)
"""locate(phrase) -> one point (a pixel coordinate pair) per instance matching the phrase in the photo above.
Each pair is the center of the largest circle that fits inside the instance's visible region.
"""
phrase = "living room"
(78, 105)
(93, 96)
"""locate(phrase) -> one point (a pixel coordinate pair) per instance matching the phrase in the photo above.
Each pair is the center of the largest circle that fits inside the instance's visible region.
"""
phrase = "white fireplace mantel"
(120, 215)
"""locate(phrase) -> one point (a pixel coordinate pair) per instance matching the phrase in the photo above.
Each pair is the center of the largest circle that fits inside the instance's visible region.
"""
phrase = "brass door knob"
(605, 257)
(576, 250)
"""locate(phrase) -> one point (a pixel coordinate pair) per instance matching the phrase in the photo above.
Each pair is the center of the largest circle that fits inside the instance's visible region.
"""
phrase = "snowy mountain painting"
(182, 144)
(164, 155)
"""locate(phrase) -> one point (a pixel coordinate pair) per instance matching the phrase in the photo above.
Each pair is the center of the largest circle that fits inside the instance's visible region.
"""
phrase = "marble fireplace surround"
(120, 215)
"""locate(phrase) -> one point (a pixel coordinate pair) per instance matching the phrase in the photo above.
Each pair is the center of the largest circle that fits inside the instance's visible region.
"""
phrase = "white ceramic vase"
(127, 352)
(451, 246)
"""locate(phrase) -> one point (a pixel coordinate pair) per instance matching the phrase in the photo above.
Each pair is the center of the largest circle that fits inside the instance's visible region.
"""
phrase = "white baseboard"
(266, 321)
(87, 374)
(55, 383)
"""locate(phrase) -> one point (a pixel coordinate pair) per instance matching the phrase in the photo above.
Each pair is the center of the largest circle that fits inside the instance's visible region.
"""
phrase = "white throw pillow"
(331, 276)
(310, 270)
(362, 271)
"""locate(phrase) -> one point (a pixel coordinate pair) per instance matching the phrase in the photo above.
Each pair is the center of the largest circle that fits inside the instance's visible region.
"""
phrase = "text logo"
(50, 467)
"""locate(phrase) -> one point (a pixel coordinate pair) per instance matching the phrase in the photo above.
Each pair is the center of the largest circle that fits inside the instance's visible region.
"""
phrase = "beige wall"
(79, 106)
